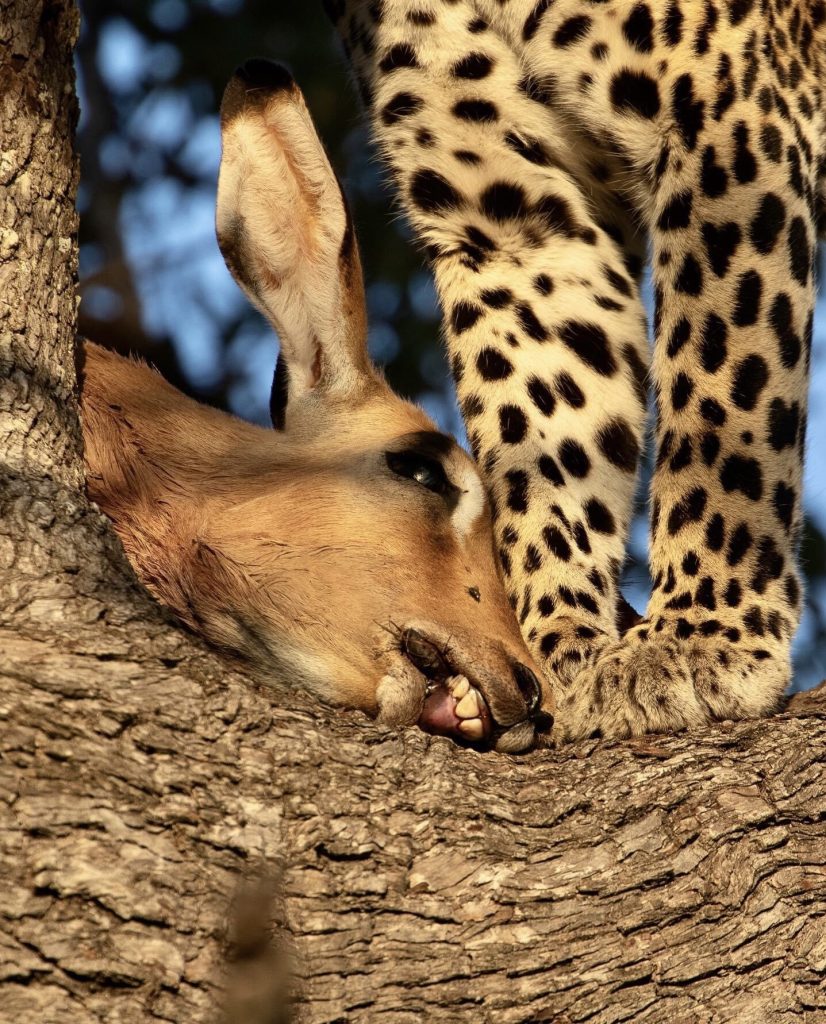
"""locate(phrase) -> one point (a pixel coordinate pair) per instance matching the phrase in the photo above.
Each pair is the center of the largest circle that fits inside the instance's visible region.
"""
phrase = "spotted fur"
(537, 147)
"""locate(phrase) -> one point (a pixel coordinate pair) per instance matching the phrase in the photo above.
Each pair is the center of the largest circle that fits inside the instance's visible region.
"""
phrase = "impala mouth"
(455, 704)
(455, 708)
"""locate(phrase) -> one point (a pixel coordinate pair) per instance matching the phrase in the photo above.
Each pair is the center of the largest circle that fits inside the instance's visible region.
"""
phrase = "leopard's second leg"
(732, 219)
(543, 319)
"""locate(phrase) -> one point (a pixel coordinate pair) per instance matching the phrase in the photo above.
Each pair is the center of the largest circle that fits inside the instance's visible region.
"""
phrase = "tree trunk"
(151, 793)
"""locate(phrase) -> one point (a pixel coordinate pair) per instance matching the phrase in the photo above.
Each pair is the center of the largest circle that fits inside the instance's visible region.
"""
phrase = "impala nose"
(531, 690)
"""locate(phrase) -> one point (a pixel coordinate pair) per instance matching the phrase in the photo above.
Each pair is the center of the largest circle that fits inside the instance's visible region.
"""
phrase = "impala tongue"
(457, 709)
(438, 713)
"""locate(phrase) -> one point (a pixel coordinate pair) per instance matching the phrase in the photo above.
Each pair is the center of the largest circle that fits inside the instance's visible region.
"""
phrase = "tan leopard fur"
(537, 147)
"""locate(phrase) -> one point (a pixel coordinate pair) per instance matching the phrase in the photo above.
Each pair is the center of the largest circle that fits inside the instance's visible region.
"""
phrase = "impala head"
(349, 550)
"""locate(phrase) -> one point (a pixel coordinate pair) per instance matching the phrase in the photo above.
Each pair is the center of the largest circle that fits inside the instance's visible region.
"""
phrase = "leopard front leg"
(544, 323)
(731, 213)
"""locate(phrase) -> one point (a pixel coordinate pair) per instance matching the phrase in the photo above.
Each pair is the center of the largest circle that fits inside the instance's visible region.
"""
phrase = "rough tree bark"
(150, 793)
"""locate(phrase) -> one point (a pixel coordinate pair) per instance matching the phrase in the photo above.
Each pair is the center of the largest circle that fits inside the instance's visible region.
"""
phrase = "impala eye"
(420, 468)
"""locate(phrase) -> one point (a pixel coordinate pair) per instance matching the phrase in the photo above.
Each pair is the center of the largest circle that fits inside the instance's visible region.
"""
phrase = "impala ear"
(287, 237)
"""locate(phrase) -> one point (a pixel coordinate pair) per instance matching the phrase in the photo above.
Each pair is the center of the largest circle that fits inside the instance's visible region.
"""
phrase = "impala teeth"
(460, 687)
(472, 728)
(468, 706)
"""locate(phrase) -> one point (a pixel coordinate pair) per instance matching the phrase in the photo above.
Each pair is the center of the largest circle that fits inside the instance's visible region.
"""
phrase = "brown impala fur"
(349, 551)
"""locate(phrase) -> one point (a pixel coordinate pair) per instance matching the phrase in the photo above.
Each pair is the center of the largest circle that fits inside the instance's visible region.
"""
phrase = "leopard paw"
(655, 680)
(568, 647)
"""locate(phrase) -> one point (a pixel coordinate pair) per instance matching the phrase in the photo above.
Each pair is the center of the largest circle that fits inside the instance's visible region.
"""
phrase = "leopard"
(545, 153)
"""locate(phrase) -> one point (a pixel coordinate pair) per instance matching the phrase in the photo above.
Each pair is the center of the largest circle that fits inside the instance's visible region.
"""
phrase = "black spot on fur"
(400, 56)
(541, 395)
(569, 391)
(403, 104)
(529, 322)
(472, 406)
(617, 281)
(639, 372)
(771, 142)
(713, 412)
(635, 92)
(749, 293)
(496, 298)
(727, 89)
(673, 25)
(691, 563)
(750, 377)
(721, 243)
(679, 336)
(710, 447)
(713, 177)
(600, 518)
(753, 621)
(617, 442)
(492, 365)
(463, 316)
(677, 214)
(768, 566)
(784, 424)
(557, 215)
(681, 391)
(690, 278)
(800, 253)
(517, 499)
(421, 18)
(503, 201)
(715, 532)
(688, 111)
(713, 345)
(638, 28)
(572, 30)
(741, 541)
(479, 240)
(738, 10)
(682, 458)
(556, 542)
(581, 539)
(432, 193)
(689, 509)
(534, 18)
(478, 111)
(780, 318)
(767, 223)
(590, 344)
(574, 458)
(784, 499)
(740, 473)
(705, 594)
(549, 469)
(512, 424)
(531, 150)
(745, 165)
(532, 563)
(474, 66)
